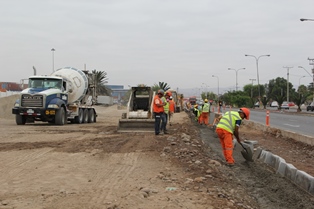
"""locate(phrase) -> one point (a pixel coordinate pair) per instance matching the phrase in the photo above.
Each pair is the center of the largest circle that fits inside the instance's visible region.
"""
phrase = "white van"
(274, 104)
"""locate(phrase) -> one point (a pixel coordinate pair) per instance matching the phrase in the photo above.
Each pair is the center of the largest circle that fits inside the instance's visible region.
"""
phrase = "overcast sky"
(180, 42)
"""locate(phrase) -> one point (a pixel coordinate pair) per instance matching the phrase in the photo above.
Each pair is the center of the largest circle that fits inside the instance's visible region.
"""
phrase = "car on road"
(274, 104)
(291, 104)
(310, 107)
(256, 104)
(285, 105)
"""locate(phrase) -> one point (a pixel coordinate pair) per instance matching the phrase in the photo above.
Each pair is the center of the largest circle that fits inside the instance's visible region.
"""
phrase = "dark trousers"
(157, 117)
(164, 121)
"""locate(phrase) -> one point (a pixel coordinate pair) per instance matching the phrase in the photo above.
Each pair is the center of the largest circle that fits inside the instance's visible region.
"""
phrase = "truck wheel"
(79, 119)
(85, 116)
(91, 116)
(20, 119)
(60, 117)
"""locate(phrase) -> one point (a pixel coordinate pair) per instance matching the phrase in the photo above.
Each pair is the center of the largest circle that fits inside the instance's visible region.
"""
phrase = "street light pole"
(256, 59)
(304, 19)
(310, 75)
(252, 79)
(236, 75)
(300, 79)
(53, 61)
(288, 68)
(218, 85)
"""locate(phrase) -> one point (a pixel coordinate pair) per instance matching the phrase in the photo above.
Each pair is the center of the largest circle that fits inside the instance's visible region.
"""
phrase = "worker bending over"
(229, 126)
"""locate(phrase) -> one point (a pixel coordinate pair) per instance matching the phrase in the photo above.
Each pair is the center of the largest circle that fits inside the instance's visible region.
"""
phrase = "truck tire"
(60, 117)
(85, 116)
(91, 116)
(79, 119)
(20, 119)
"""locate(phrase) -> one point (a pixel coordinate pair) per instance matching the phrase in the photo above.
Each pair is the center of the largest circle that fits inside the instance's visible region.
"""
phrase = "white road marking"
(292, 125)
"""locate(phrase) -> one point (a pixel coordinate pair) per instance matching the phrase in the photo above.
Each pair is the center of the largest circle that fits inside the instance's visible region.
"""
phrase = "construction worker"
(229, 126)
(164, 119)
(196, 112)
(172, 108)
(158, 108)
(205, 113)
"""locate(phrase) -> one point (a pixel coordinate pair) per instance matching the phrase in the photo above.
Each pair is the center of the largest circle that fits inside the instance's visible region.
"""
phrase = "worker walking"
(229, 126)
(205, 113)
(172, 108)
(158, 108)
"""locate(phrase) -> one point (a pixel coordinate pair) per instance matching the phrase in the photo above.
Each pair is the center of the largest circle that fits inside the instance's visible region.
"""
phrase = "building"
(118, 93)
(10, 86)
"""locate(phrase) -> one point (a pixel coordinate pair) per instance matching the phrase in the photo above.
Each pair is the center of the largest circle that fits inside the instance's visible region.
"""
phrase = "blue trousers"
(157, 117)
(164, 121)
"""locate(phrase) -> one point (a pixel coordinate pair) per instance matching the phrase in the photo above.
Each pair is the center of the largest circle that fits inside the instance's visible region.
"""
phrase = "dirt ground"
(93, 166)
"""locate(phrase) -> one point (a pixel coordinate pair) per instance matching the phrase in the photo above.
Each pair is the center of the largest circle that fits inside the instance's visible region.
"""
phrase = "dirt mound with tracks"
(93, 166)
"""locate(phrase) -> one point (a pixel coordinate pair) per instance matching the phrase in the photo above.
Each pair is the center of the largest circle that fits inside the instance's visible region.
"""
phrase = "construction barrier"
(267, 118)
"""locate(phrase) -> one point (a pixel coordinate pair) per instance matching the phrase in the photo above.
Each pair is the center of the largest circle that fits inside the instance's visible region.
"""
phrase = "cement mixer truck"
(68, 94)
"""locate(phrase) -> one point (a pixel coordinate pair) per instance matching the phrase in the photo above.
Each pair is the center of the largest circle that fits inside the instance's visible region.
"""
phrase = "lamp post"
(53, 60)
(311, 76)
(288, 68)
(236, 75)
(304, 19)
(252, 79)
(218, 85)
(256, 59)
(300, 79)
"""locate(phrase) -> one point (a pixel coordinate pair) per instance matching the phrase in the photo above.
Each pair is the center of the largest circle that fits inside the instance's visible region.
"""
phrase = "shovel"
(247, 153)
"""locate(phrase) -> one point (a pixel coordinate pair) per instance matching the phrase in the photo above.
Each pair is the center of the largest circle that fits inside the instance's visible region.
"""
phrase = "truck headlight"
(54, 106)
(16, 105)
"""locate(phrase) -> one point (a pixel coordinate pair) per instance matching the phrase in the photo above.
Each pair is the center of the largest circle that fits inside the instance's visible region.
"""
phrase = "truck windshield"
(45, 83)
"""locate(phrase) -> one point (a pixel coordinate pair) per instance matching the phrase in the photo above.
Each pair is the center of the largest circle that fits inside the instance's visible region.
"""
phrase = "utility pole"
(252, 79)
(288, 68)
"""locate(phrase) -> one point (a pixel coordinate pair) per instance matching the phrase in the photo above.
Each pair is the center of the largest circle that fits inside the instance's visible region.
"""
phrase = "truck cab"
(42, 100)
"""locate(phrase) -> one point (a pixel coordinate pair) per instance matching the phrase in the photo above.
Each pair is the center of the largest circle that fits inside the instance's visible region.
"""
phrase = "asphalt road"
(286, 120)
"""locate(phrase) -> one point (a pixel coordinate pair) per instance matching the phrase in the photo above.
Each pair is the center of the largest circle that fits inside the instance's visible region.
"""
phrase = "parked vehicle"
(310, 107)
(256, 104)
(274, 104)
(291, 104)
(67, 94)
(285, 105)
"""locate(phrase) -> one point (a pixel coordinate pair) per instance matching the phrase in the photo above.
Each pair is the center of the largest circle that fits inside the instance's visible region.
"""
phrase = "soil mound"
(6, 105)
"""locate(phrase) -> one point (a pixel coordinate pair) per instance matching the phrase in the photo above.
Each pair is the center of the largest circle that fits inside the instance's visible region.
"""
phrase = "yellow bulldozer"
(139, 114)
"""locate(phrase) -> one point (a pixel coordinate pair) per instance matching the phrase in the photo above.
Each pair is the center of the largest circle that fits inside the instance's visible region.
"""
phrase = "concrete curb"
(298, 177)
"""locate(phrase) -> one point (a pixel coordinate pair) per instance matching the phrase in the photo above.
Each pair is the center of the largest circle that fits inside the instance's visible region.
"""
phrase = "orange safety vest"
(171, 106)
(157, 109)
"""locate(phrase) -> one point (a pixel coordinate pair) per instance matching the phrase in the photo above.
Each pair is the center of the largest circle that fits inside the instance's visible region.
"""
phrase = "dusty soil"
(93, 166)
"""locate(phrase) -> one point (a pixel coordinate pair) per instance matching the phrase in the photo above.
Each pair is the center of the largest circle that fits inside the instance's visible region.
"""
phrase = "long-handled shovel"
(247, 153)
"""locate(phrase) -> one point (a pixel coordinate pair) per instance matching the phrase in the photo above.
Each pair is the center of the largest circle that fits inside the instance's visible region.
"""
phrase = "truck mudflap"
(136, 125)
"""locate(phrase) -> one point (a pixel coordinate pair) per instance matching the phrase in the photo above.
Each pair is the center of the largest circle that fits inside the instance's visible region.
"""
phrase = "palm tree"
(101, 80)
(161, 85)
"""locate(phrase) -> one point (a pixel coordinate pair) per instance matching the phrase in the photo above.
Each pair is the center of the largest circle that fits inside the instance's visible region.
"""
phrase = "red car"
(291, 104)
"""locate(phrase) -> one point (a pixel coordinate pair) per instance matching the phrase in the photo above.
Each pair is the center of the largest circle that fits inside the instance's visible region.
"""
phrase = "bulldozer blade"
(136, 125)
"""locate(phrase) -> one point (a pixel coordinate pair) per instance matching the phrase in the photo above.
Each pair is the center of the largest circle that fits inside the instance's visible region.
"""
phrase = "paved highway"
(299, 123)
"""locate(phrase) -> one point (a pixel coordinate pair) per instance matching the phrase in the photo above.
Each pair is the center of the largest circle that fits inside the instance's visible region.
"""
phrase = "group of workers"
(227, 125)
(163, 108)
(202, 112)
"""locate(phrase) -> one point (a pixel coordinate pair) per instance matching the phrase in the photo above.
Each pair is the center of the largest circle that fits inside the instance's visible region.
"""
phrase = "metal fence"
(8, 93)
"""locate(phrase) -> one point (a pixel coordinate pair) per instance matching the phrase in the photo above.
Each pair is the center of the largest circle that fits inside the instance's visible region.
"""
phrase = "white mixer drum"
(77, 82)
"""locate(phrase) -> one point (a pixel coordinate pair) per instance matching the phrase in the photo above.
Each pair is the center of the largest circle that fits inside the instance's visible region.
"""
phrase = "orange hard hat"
(168, 93)
(246, 112)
